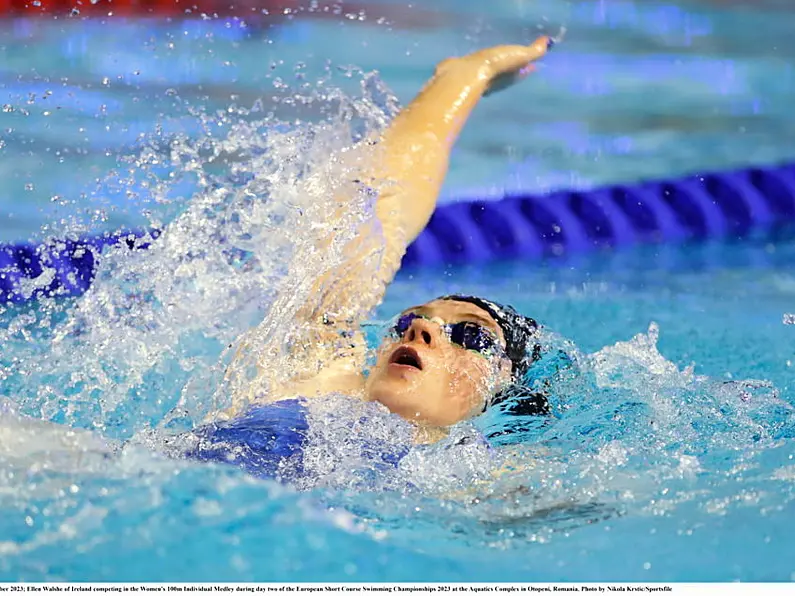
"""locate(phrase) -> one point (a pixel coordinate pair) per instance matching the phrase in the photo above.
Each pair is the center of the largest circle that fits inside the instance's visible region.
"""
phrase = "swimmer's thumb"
(505, 80)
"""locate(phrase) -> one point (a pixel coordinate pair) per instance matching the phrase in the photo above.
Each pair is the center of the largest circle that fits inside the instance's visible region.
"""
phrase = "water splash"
(276, 204)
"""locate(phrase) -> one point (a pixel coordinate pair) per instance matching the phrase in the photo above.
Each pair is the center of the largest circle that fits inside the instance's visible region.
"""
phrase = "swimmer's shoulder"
(343, 375)
(340, 376)
(326, 358)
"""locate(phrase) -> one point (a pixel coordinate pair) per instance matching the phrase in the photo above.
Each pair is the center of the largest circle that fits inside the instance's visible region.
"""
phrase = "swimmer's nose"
(422, 331)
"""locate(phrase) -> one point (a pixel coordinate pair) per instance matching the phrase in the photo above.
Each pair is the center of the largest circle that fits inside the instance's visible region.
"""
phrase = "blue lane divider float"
(65, 268)
(728, 205)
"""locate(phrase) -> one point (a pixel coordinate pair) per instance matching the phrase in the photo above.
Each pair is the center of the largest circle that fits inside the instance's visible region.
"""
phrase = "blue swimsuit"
(261, 441)
(271, 441)
(268, 441)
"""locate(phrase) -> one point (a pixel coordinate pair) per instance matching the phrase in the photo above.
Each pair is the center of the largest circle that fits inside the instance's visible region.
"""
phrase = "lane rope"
(731, 205)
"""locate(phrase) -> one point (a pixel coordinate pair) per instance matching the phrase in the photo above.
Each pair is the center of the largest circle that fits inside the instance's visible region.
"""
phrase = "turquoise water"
(648, 472)
(670, 455)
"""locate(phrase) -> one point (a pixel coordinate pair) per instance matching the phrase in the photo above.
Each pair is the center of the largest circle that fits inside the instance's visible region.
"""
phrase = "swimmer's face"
(423, 376)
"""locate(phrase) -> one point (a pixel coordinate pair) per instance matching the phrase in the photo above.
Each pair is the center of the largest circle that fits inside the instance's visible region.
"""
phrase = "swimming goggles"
(465, 334)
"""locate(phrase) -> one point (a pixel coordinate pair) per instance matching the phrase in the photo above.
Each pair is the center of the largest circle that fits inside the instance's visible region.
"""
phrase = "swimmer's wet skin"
(449, 359)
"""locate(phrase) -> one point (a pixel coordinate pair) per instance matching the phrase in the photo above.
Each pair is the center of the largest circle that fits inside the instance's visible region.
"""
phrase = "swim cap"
(521, 347)
(519, 331)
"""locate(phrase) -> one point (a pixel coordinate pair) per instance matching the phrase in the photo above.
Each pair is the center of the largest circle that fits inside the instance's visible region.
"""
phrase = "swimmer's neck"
(350, 382)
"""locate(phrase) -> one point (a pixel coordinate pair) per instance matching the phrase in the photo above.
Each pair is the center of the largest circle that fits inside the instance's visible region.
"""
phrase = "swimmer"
(444, 361)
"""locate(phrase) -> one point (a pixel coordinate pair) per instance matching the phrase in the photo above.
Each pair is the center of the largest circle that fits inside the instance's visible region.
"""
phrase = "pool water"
(672, 459)
(670, 454)
(638, 90)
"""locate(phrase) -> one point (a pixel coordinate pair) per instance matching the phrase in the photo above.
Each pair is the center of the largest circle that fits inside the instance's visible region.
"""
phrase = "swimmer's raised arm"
(407, 168)
(415, 149)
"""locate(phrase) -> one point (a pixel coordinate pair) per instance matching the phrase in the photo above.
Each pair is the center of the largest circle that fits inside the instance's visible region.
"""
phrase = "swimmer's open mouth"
(406, 356)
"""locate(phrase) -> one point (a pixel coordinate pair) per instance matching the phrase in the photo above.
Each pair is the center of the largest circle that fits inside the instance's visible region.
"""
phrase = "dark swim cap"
(519, 331)
(521, 347)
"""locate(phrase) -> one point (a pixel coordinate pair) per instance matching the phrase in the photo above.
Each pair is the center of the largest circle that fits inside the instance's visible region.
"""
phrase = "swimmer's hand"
(502, 66)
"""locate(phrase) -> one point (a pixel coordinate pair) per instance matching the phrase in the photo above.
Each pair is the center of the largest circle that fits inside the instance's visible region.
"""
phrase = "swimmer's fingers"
(511, 60)
(498, 66)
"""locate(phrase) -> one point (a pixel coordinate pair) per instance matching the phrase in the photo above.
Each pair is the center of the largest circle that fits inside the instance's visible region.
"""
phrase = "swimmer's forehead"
(454, 311)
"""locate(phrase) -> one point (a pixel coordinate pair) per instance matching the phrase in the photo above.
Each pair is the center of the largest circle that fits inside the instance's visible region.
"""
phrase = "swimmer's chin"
(386, 392)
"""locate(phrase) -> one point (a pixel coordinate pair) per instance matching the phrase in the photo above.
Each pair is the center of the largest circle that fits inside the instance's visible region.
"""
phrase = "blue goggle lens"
(465, 334)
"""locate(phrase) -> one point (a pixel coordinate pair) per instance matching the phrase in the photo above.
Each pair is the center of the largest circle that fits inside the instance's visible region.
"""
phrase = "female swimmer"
(449, 359)
(444, 361)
